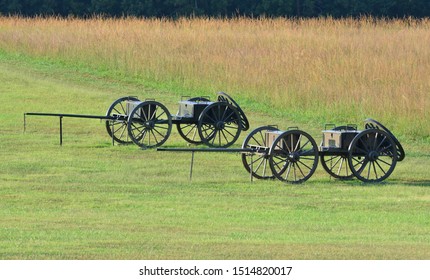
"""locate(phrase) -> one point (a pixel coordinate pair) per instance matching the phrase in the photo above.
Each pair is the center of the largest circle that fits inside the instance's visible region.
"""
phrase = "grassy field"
(89, 200)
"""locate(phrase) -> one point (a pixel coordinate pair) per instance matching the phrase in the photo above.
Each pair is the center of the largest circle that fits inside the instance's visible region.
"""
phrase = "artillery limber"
(292, 156)
(149, 123)
(370, 154)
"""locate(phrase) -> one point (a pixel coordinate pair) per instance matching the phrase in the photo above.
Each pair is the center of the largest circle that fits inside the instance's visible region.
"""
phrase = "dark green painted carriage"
(292, 156)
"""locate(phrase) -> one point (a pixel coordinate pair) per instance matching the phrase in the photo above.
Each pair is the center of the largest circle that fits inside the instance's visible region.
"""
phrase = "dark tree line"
(217, 8)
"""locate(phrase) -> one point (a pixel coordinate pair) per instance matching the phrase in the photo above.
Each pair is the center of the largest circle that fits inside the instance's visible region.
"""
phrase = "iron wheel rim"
(260, 166)
(149, 124)
(218, 126)
(291, 160)
(189, 132)
(118, 107)
(224, 97)
(337, 166)
(372, 155)
(371, 123)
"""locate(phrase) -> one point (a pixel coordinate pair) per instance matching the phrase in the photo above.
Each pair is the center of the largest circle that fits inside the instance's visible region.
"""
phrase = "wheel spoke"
(382, 152)
(288, 171)
(141, 135)
(357, 160)
(292, 143)
(214, 136)
(187, 125)
(122, 132)
(161, 114)
(258, 167)
(368, 172)
(155, 137)
(223, 134)
(142, 112)
(302, 163)
(330, 159)
(340, 165)
(208, 127)
(210, 134)
(375, 141)
(379, 146)
(223, 114)
(194, 134)
(123, 109)
(265, 167)
(231, 126)
(364, 145)
(277, 163)
(232, 135)
(374, 169)
(121, 126)
(280, 159)
(295, 175)
(152, 114)
(346, 167)
(161, 127)
(189, 131)
(228, 117)
(136, 128)
(298, 167)
(363, 164)
(285, 142)
(159, 133)
(258, 143)
(119, 113)
(389, 164)
(303, 146)
(380, 167)
(254, 161)
(337, 161)
(263, 140)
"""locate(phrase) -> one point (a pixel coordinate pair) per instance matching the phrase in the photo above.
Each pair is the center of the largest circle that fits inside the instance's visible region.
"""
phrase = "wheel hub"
(220, 125)
(149, 124)
(294, 157)
(372, 156)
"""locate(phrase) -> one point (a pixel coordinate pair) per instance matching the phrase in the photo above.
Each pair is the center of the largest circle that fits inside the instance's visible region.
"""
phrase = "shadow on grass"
(416, 183)
(387, 183)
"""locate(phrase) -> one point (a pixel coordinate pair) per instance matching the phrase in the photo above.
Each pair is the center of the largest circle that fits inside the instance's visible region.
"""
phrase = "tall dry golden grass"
(322, 70)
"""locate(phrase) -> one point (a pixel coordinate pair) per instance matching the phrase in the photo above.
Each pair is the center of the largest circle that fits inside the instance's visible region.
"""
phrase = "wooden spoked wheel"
(118, 109)
(371, 123)
(189, 131)
(337, 166)
(219, 125)
(258, 163)
(149, 124)
(224, 97)
(372, 155)
(293, 156)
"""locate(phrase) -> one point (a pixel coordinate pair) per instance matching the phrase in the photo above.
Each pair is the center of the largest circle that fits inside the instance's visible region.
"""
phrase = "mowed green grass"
(91, 200)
